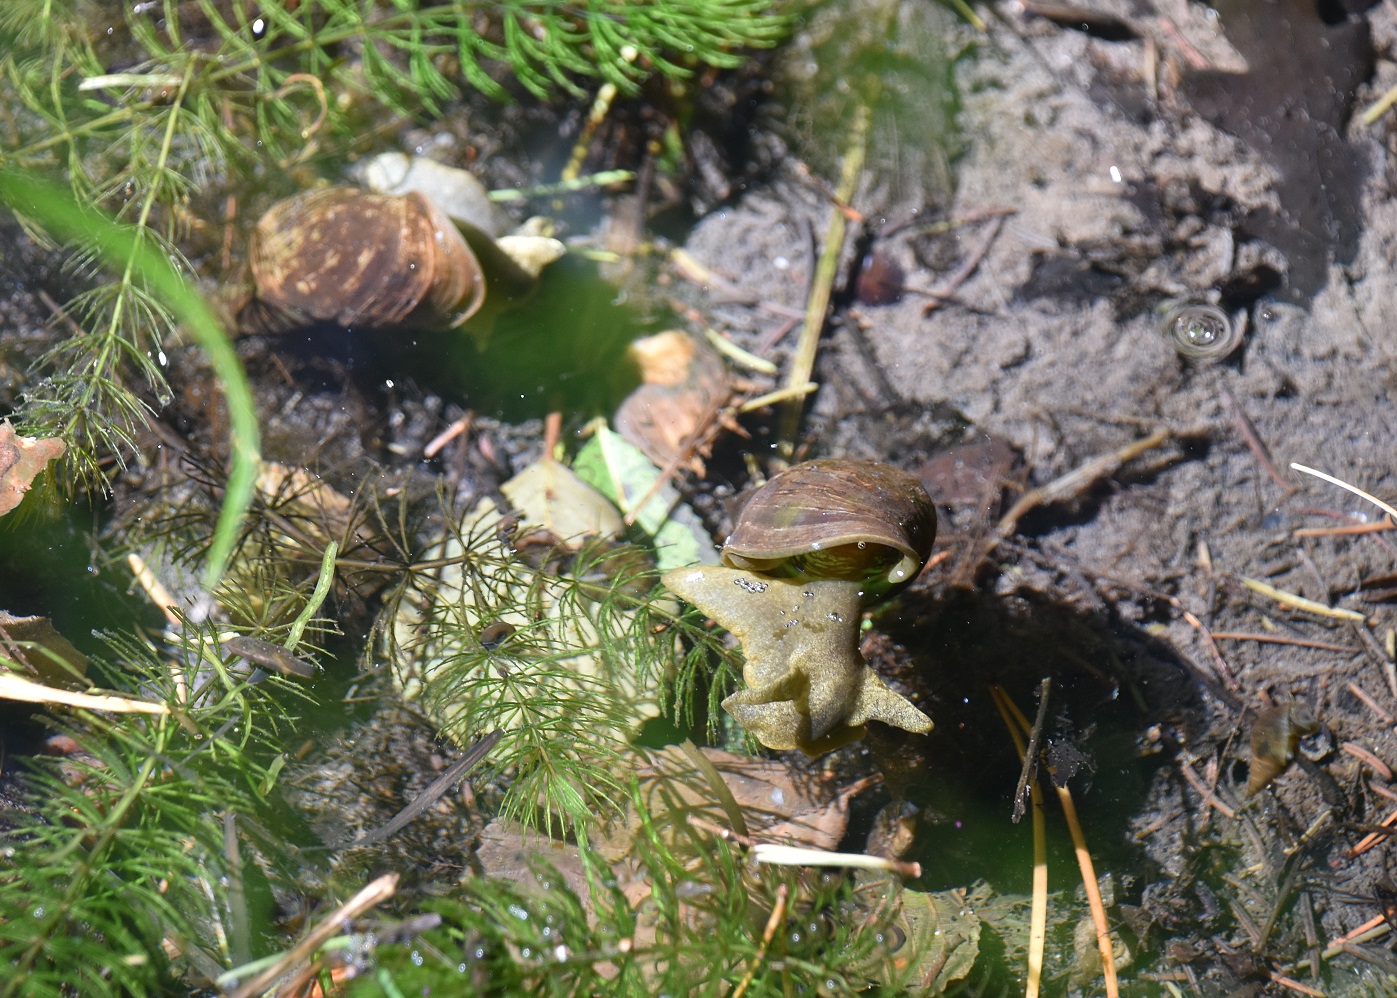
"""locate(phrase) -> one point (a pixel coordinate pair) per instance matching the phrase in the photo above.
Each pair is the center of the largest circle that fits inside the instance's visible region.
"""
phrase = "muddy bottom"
(1104, 181)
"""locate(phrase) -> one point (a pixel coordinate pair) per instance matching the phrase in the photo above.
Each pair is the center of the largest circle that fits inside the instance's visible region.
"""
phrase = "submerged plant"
(682, 913)
(565, 645)
(136, 859)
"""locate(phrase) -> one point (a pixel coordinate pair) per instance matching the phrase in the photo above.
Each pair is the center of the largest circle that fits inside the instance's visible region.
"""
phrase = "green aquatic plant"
(162, 287)
(136, 858)
(152, 111)
(688, 916)
(569, 652)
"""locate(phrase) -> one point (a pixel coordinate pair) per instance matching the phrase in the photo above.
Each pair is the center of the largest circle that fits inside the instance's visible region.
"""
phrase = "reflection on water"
(561, 349)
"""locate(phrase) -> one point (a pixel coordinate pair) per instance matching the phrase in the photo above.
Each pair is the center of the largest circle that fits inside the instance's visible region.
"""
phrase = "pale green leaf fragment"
(621, 472)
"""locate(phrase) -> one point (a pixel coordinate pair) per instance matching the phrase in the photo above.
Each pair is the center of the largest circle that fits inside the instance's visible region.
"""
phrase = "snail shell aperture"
(355, 258)
(1202, 333)
(836, 519)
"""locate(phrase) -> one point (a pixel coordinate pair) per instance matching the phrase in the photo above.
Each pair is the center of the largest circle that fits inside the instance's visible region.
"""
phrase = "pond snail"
(1202, 333)
(835, 519)
(809, 550)
(356, 258)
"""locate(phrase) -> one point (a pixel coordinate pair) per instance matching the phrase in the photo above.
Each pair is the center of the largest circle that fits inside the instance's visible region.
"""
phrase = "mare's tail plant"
(134, 861)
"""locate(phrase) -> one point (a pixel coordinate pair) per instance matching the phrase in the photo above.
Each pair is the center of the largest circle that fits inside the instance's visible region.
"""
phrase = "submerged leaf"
(943, 933)
(626, 476)
(548, 496)
(21, 460)
(36, 645)
(520, 627)
(684, 382)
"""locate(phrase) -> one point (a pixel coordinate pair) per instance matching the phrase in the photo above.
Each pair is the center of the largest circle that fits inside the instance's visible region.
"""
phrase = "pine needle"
(1074, 826)
(1098, 909)
(1390, 511)
(1299, 602)
(778, 915)
(1038, 913)
(817, 306)
(14, 687)
(374, 893)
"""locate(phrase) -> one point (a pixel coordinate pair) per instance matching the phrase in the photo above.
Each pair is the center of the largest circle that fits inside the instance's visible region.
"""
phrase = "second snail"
(417, 251)
(809, 550)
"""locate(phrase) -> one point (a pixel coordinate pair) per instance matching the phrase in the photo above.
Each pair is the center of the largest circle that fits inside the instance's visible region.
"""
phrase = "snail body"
(356, 258)
(809, 550)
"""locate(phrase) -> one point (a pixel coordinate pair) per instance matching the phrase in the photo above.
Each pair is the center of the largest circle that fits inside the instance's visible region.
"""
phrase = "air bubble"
(1202, 333)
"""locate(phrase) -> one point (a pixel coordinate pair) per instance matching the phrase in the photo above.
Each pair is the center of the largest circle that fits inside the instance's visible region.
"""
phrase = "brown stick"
(1072, 483)
(1282, 639)
(1209, 798)
(1254, 441)
(374, 893)
(1381, 526)
(778, 916)
(947, 288)
(1373, 705)
(1368, 758)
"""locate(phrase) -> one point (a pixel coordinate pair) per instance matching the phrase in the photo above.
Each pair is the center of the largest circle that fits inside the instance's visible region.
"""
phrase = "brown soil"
(1126, 196)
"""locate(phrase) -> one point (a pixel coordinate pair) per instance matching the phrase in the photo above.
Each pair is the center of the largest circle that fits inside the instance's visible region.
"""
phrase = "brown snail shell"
(1275, 736)
(355, 258)
(836, 519)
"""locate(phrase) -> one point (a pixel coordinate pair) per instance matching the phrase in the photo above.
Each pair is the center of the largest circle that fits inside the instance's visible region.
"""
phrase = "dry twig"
(1038, 911)
(1299, 602)
(1254, 442)
(945, 291)
(1204, 791)
(778, 916)
(1366, 757)
(374, 893)
(1283, 639)
(14, 687)
(1074, 482)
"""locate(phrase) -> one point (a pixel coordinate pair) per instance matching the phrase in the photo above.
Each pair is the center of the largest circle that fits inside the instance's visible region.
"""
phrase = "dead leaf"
(683, 383)
(510, 851)
(970, 474)
(455, 616)
(779, 804)
(943, 935)
(21, 460)
(35, 644)
(548, 496)
(681, 805)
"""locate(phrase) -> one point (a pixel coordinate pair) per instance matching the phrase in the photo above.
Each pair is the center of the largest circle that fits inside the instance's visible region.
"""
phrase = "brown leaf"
(46, 655)
(684, 382)
(21, 459)
(779, 803)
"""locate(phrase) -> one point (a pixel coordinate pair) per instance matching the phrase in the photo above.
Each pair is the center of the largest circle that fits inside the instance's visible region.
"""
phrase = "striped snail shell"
(836, 519)
(1202, 333)
(356, 258)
